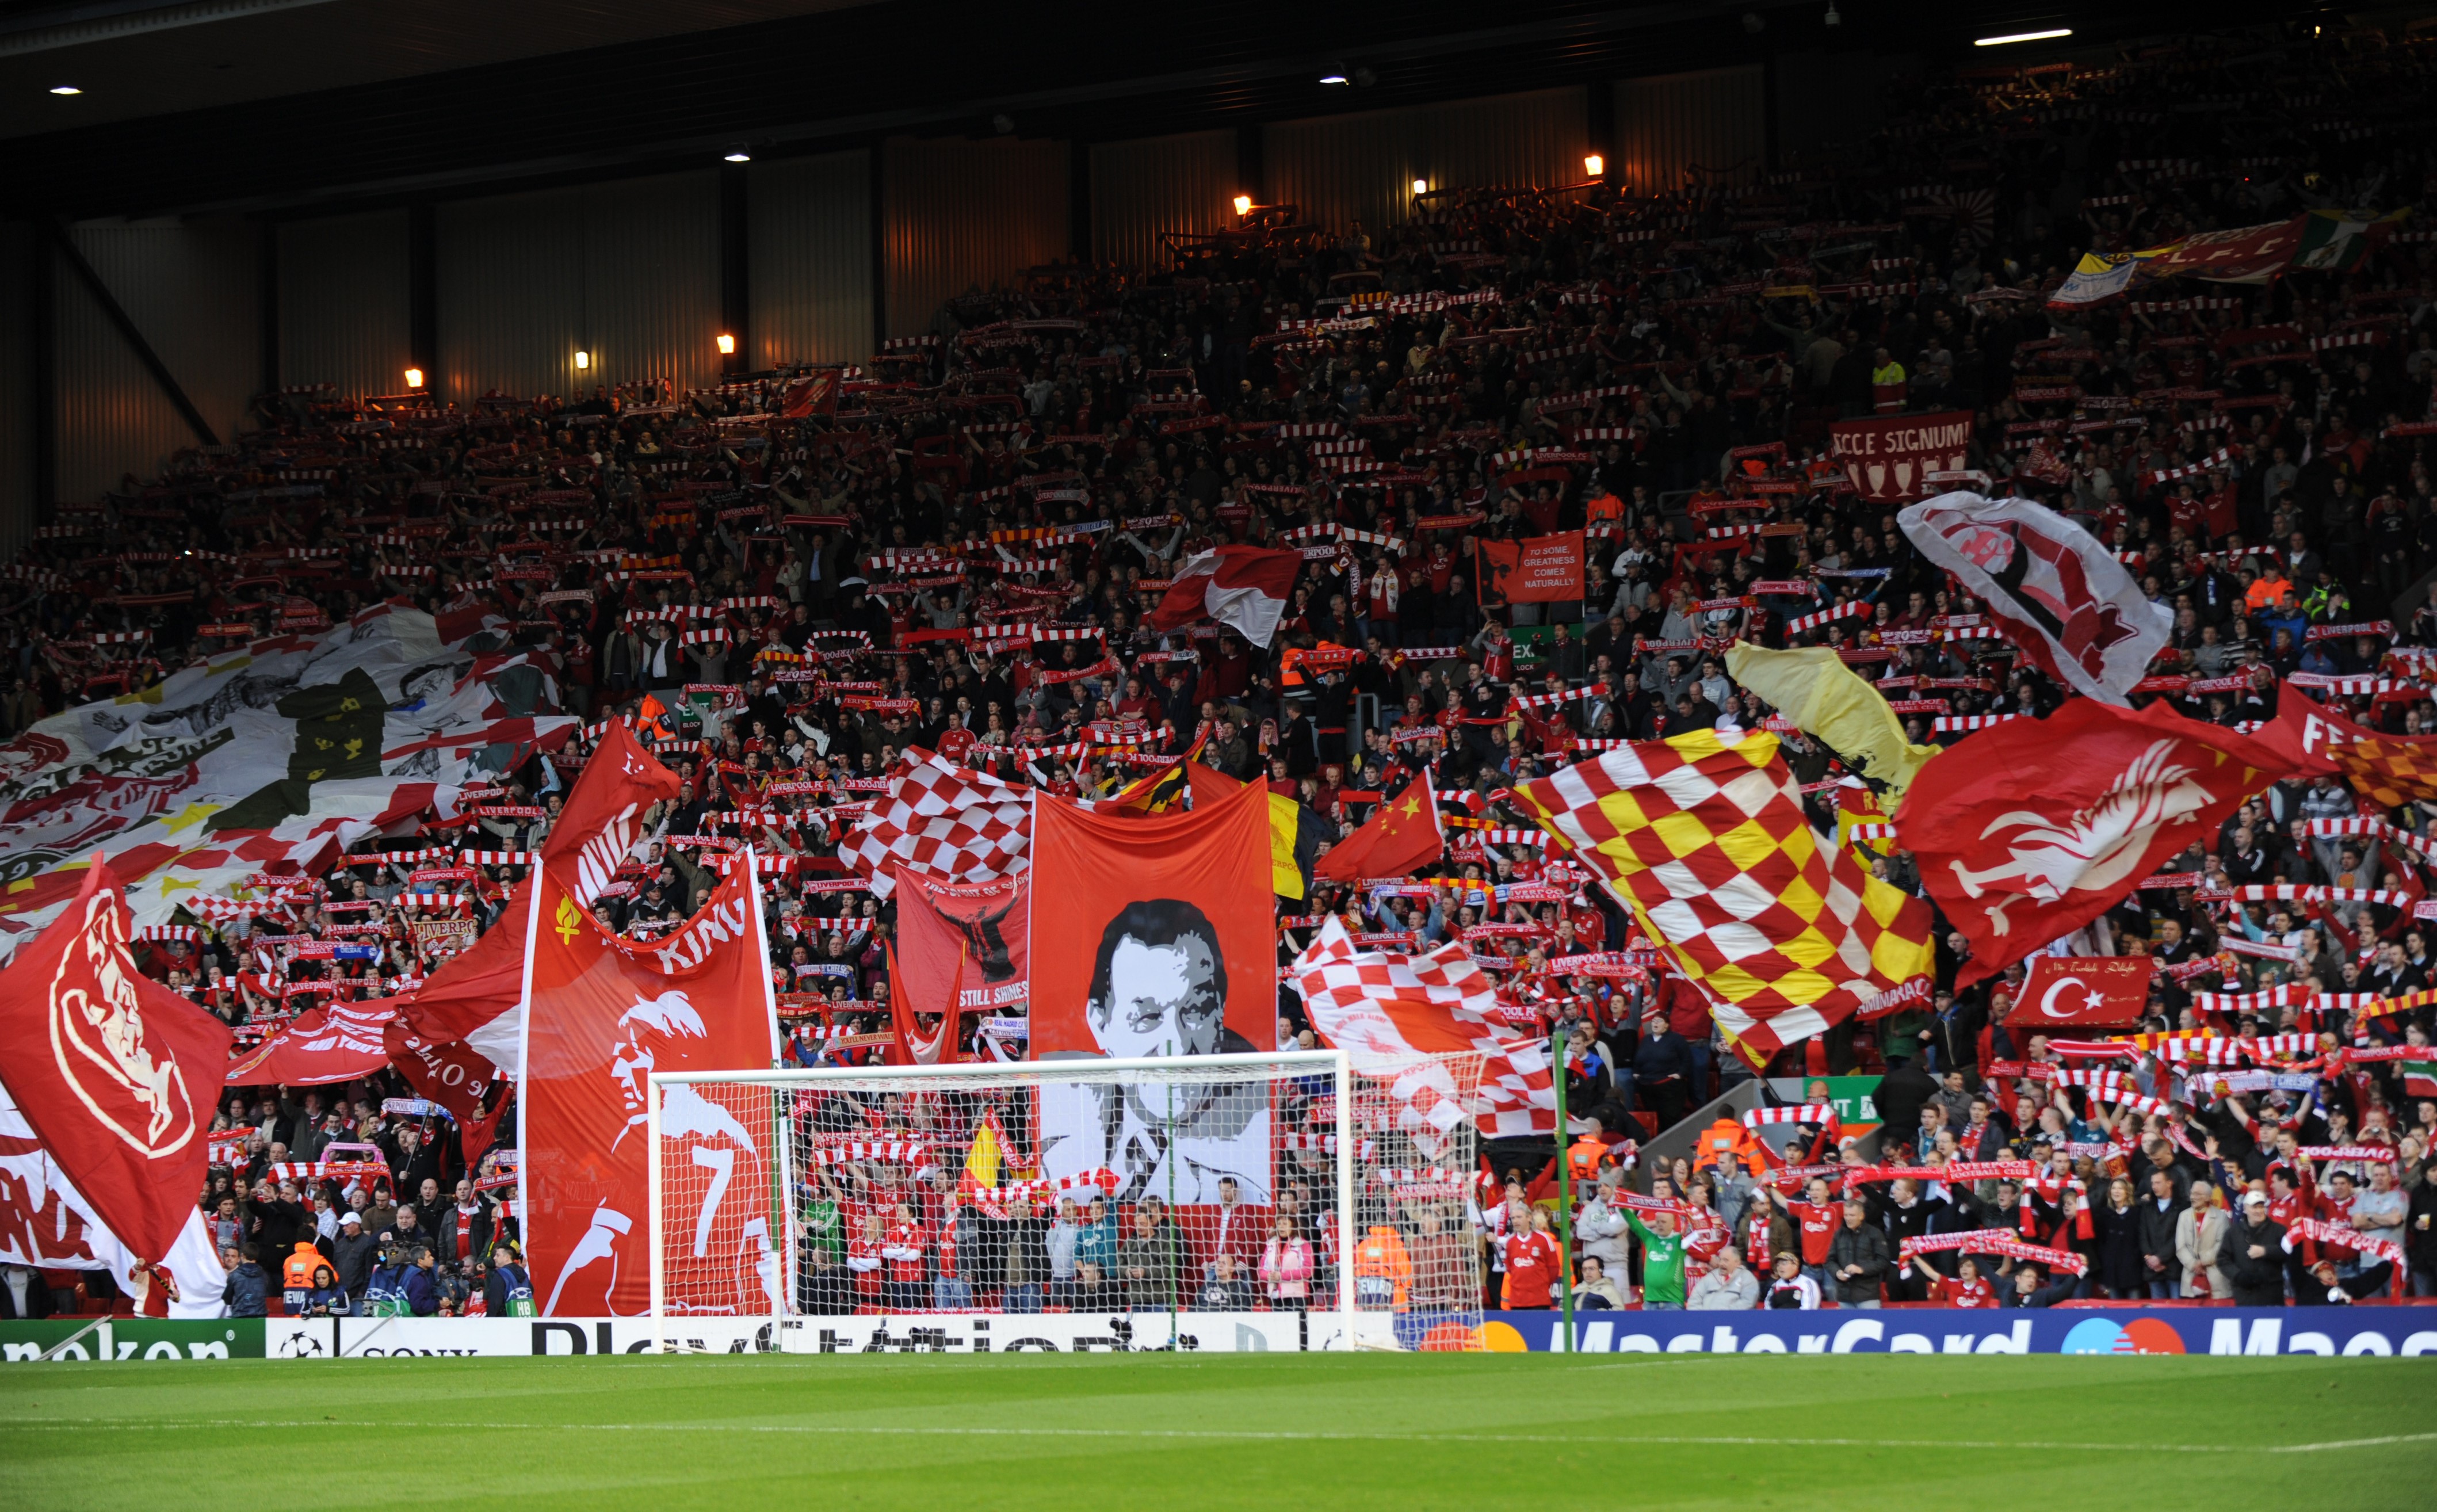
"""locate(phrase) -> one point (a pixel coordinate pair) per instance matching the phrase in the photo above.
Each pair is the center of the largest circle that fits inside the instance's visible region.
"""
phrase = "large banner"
(974, 939)
(602, 1015)
(1888, 460)
(270, 757)
(1151, 937)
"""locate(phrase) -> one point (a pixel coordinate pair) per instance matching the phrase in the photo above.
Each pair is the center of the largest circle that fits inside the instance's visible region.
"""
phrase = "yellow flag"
(982, 1160)
(1824, 699)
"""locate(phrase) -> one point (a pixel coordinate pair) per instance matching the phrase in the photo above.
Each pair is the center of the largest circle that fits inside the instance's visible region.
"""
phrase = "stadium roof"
(321, 104)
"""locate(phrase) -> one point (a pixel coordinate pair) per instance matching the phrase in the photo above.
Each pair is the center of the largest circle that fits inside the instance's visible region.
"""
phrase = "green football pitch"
(1301, 1431)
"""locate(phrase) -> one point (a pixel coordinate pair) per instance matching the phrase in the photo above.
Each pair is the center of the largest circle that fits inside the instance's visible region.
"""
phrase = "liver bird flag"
(2028, 831)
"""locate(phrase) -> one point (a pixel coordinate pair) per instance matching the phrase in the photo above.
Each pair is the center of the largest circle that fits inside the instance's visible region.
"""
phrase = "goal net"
(1288, 1199)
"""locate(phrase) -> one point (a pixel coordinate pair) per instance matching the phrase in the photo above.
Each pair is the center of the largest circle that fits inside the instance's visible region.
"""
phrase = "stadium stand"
(794, 583)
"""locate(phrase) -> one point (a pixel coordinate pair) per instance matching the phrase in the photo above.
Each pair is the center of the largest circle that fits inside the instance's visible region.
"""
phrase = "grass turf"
(1218, 1431)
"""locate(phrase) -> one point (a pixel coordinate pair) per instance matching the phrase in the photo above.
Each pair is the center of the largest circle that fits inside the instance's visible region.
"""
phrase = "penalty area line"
(1236, 1434)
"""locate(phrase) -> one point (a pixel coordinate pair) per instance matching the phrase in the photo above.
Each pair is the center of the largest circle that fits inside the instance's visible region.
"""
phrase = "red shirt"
(867, 1278)
(1959, 1293)
(1818, 1222)
(905, 1239)
(1530, 1268)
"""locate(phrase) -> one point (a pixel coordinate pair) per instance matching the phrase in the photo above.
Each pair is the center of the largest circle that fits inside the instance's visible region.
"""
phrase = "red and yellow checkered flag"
(1705, 838)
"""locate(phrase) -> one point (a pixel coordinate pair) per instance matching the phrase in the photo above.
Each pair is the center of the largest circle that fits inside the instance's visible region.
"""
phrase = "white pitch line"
(1240, 1434)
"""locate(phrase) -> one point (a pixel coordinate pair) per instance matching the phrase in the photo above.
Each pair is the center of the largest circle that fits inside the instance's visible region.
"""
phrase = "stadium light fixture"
(1243, 205)
(65, 89)
(414, 378)
(1594, 164)
(727, 344)
(1421, 186)
(583, 361)
(1335, 79)
(739, 155)
(2023, 36)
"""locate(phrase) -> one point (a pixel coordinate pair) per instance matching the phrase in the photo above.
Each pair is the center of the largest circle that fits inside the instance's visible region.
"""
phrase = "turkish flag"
(1403, 834)
(1152, 934)
(2083, 992)
(2028, 831)
(117, 1075)
(603, 1013)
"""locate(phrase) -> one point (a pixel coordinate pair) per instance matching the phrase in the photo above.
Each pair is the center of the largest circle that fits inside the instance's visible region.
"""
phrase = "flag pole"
(1565, 1186)
(524, 1069)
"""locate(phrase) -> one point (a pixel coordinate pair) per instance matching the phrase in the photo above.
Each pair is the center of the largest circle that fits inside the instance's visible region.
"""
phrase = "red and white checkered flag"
(946, 822)
(1388, 1009)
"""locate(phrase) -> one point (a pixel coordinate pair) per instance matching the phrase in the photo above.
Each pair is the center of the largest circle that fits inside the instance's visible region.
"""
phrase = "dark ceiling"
(293, 106)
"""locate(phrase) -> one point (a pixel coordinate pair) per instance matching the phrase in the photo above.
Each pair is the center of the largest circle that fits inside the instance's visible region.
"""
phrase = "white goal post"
(1278, 1183)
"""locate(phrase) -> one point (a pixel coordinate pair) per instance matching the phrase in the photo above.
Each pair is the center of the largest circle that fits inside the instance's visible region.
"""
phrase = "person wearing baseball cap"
(2252, 1256)
(352, 1254)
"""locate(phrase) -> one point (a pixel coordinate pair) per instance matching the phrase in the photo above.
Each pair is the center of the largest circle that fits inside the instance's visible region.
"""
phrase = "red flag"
(115, 1073)
(336, 1041)
(1889, 461)
(910, 1048)
(2028, 831)
(1244, 587)
(2391, 770)
(1403, 834)
(2083, 992)
(976, 931)
(474, 995)
(602, 1015)
(453, 1075)
(1153, 935)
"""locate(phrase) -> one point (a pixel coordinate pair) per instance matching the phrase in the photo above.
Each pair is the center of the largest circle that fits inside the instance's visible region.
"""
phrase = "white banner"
(914, 1334)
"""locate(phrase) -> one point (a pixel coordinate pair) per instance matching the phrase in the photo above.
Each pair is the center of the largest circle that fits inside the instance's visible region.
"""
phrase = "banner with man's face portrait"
(1152, 935)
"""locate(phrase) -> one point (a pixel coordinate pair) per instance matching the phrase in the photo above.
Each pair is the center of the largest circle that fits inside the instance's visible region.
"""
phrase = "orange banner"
(1152, 935)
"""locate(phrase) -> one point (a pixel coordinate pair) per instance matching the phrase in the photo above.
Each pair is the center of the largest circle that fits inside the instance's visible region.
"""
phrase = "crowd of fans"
(953, 550)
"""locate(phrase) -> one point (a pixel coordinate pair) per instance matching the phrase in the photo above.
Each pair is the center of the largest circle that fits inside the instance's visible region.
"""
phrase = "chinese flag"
(1405, 834)
(2083, 992)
